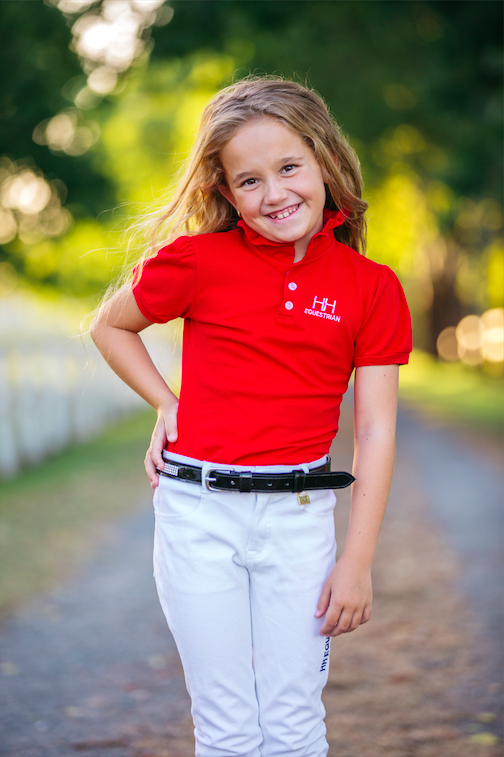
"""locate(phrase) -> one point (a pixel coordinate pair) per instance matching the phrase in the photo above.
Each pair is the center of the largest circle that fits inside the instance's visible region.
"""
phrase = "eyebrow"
(282, 162)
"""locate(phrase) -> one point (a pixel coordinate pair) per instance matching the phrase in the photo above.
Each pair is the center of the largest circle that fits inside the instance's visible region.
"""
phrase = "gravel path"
(461, 477)
(91, 669)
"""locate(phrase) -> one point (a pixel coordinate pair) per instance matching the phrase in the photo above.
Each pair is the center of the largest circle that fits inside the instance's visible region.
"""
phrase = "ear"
(226, 192)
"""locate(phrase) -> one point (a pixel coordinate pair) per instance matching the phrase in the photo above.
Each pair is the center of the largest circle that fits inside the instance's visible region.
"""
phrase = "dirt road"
(91, 668)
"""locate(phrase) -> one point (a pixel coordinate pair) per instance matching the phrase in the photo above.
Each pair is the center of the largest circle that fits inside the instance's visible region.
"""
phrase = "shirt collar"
(283, 250)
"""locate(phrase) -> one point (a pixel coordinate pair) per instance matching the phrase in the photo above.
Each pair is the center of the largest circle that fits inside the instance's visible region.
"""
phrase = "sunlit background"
(99, 103)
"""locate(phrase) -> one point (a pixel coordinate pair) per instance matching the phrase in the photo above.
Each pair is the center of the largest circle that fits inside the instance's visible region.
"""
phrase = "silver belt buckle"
(208, 481)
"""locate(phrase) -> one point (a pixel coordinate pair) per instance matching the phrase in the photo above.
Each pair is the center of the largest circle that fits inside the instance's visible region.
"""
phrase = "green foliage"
(434, 65)
(148, 134)
(79, 264)
(401, 224)
(495, 274)
(416, 85)
(144, 140)
(38, 75)
(453, 391)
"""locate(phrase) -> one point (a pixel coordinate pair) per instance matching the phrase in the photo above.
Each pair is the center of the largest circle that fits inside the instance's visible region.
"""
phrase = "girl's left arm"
(347, 594)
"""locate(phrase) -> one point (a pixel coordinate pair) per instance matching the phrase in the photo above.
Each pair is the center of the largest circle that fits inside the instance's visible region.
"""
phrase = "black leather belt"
(220, 479)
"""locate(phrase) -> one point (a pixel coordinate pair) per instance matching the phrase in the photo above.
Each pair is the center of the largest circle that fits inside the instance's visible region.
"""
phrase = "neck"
(299, 250)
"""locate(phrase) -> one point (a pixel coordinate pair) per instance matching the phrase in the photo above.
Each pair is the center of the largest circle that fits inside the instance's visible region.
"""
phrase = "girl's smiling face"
(275, 181)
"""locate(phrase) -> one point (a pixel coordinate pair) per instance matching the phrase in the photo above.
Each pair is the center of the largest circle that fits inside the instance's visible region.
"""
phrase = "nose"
(274, 192)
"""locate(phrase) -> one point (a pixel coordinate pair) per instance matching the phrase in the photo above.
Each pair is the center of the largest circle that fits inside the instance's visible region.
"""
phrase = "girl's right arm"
(115, 331)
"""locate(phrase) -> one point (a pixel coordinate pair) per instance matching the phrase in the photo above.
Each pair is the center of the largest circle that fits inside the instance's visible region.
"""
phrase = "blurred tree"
(436, 65)
(418, 86)
(39, 78)
(144, 138)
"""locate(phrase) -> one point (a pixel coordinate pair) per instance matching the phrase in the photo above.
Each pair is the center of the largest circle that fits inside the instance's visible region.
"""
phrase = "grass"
(50, 515)
(454, 392)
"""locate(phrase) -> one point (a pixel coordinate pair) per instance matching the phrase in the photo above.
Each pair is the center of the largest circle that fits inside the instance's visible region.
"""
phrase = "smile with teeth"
(284, 213)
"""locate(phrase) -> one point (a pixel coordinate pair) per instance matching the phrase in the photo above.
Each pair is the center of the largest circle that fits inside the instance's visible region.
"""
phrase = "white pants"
(239, 577)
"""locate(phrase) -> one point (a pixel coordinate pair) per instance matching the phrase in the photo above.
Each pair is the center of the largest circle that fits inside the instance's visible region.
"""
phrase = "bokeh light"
(112, 36)
(446, 344)
(108, 38)
(65, 133)
(73, 6)
(30, 206)
(102, 80)
(8, 226)
(469, 334)
(25, 192)
(493, 335)
(474, 340)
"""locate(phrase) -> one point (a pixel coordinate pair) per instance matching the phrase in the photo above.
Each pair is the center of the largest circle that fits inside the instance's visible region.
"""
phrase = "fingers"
(341, 620)
(154, 456)
(323, 602)
(347, 622)
(150, 469)
(155, 451)
(366, 615)
(165, 431)
(170, 424)
(331, 620)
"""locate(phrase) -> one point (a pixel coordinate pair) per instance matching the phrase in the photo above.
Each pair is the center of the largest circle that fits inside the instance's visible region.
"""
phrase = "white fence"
(55, 391)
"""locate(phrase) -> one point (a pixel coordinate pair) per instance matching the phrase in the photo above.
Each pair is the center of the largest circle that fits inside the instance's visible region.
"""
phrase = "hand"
(346, 599)
(164, 430)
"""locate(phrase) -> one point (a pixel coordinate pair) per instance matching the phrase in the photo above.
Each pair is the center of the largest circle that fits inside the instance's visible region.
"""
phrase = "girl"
(279, 307)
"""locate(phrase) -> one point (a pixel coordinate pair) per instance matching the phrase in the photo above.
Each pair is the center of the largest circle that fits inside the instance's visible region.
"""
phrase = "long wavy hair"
(197, 206)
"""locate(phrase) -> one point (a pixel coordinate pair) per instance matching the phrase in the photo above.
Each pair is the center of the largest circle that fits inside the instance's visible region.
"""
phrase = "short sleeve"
(385, 335)
(167, 283)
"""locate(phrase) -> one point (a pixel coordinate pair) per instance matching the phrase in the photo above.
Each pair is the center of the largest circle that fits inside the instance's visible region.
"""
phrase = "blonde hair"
(198, 207)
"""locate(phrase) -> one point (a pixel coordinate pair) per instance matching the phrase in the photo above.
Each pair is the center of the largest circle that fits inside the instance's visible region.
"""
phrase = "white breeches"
(239, 577)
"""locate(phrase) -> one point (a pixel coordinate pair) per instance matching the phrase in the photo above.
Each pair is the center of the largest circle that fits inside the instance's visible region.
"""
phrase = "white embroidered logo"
(324, 302)
(326, 309)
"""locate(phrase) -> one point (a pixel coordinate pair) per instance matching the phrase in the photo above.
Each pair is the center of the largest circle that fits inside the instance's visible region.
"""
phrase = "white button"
(289, 305)
(292, 286)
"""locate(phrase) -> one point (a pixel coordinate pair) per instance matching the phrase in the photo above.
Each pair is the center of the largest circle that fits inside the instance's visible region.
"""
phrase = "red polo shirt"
(269, 345)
